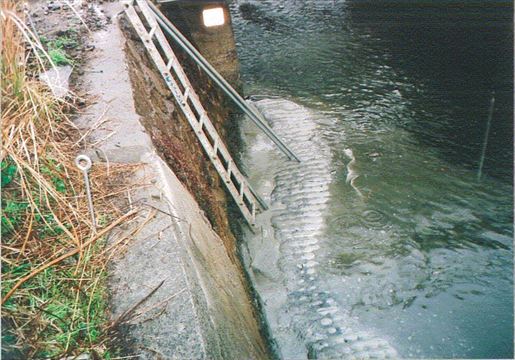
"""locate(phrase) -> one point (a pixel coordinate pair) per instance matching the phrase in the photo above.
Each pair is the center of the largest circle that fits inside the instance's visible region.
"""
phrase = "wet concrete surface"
(118, 134)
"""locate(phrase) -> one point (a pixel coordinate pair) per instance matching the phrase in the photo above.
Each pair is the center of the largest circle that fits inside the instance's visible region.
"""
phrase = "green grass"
(59, 57)
(63, 307)
(57, 48)
(67, 310)
(15, 208)
(55, 171)
(53, 305)
(65, 42)
(71, 313)
(8, 172)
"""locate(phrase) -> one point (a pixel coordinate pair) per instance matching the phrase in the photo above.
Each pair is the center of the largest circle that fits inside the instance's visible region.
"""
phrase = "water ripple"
(374, 219)
(303, 190)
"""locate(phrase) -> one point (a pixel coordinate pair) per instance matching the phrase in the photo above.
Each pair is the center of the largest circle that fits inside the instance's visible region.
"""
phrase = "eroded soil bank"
(173, 136)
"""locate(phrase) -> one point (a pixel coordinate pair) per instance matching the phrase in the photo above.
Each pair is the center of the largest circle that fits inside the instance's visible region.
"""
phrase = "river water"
(387, 240)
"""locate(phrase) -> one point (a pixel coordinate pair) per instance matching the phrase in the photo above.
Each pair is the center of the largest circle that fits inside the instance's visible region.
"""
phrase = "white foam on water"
(304, 318)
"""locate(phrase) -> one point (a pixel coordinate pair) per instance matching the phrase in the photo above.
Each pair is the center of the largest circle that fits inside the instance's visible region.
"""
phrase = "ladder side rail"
(165, 45)
(248, 214)
(250, 194)
(229, 90)
(195, 100)
(181, 75)
(158, 60)
(156, 56)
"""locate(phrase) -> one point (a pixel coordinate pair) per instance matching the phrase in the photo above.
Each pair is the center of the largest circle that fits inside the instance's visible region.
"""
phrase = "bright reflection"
(213, 17)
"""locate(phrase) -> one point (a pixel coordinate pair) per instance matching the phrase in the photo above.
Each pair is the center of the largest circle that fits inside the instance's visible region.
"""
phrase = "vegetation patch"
(57, 48)
(54, 259)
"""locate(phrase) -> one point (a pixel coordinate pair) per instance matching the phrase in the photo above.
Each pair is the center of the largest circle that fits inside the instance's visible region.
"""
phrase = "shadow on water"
(456, 53)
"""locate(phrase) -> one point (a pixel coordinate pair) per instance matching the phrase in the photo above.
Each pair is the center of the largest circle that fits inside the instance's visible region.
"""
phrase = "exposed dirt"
(59, 26)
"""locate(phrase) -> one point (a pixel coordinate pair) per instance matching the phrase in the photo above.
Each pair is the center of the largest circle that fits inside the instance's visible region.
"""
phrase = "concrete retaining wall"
(177, 279)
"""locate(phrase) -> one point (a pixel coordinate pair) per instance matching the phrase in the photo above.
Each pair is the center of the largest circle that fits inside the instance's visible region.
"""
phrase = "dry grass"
(53, 266)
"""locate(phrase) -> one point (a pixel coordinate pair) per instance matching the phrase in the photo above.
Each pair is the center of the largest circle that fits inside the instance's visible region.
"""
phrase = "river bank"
(171, 285)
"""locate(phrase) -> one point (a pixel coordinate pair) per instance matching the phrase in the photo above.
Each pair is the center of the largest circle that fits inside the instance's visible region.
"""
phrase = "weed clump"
(57, 48)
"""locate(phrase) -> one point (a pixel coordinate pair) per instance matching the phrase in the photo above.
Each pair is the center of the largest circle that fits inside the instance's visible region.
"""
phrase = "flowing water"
(382, 242)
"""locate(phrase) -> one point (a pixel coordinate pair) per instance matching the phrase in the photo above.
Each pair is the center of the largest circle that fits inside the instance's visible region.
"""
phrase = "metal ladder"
(172, 72)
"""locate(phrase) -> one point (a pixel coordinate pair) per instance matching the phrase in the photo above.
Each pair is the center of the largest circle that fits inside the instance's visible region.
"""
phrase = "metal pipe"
(83, 162)
(487, 133)
(253, 114)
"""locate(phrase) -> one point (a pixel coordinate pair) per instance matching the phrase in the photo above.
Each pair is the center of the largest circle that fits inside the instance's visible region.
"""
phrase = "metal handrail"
(252, 113)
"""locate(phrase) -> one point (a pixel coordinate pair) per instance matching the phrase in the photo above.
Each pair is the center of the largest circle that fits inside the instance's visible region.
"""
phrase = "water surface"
(382, 242)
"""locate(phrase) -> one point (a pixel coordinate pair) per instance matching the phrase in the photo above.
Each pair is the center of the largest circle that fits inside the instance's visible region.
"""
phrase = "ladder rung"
(170, 63)
(202, 119)
(186, 95)
(229, 172)
(152, 32)
(215, 147)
